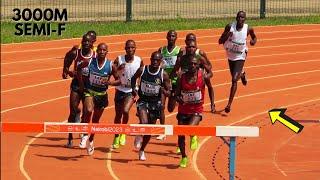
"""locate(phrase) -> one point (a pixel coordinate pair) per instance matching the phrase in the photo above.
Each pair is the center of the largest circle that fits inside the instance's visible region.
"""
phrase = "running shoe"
(243, 78)
(161, 137)
(194, 142)
(122, 139)
(142, 156)
(227, 109)
(116, 142)
(90, 148)
(138, 141)
(213, 108)
(178, 151)
(184, 162)
(83, 143)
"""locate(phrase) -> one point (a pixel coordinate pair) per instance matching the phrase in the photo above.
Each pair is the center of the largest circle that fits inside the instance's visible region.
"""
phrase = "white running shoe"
(138, 141)
(161, 137)
(142, 156)
(90, 148)
(83, 143)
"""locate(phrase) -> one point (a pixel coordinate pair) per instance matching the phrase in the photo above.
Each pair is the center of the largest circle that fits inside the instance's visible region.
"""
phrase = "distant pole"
(262, 9)
(129, 11)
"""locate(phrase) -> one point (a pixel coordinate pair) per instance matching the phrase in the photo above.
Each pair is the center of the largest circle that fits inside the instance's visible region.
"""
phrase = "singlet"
(192, 95)
(127, 72)
(169, 58)
(236, 45)
(150, 85)
(83, 62)
(98, 76)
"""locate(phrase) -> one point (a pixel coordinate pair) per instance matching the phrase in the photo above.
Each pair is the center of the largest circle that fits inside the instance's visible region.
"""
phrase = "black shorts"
(186, 118)
(100, 100)
(236, 66)
(74, 86)
(120, 96)
(153, 108)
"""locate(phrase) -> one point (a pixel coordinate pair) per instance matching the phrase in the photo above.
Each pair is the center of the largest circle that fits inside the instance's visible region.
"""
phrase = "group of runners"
(174, 74)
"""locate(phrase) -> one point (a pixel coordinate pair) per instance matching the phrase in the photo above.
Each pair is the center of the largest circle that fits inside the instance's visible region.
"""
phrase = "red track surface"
(283, 71)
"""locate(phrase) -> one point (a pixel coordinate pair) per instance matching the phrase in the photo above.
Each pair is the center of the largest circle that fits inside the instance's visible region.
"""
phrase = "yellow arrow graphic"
(278, 114)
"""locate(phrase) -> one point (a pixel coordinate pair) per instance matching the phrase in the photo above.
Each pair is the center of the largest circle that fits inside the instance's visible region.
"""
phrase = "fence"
(127, 10)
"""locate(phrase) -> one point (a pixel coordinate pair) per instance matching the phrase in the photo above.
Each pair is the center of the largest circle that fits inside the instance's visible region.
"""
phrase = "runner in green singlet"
(170, 54)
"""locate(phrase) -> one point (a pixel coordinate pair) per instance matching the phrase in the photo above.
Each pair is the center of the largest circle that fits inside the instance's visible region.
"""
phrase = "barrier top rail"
(130, 129)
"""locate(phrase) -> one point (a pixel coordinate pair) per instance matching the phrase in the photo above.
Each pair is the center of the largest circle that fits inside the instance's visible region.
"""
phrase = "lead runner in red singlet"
(190, 96)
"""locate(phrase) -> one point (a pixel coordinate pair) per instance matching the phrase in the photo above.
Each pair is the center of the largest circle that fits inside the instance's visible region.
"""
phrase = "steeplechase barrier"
(141, 129)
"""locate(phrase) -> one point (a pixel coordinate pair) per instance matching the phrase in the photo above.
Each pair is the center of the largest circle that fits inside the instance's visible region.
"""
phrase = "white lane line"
(26, 148)
(35, 85)
(264, 47)
(217, 85)
(273, 64)
(215, 71)
(155, 40)
(275, 154)
(22, 157)
(194, 157)
(28, 72)
(145, 57)
(31, 60)
(34, 104)
(195, 154)
(257, 28)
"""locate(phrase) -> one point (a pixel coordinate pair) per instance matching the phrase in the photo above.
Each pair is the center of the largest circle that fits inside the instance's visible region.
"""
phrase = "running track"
(283, 71)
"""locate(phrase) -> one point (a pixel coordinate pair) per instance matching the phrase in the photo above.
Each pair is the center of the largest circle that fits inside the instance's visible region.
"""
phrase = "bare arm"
(141, 63)
(178, 91)
(253, 36)
(134, 80)
(204, 55)
(68, 59)
(115, 75)
(225, 35)
(166, 84)
(207, 67)
(162, 65)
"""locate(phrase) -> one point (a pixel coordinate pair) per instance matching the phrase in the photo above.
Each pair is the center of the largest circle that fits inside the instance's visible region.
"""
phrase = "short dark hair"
(92, 33)
(241, 11)
(155, 53)
(130, 40)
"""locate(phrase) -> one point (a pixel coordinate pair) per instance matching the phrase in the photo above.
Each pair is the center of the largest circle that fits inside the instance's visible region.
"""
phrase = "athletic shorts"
(121, 96)
(100, 100)
(154, 109)
(186, 118)
(236, 66)
(74, 86)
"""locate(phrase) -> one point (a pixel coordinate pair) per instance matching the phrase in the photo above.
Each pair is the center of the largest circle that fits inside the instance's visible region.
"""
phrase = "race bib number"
(85, 71)
(125, 81)
(191, 97)
(170, 61)
(236, 47)
(97, 80)
(149, 89)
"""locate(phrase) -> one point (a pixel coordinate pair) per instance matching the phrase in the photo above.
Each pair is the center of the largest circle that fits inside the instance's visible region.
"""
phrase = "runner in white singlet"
(234, 40)
(127, 65)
